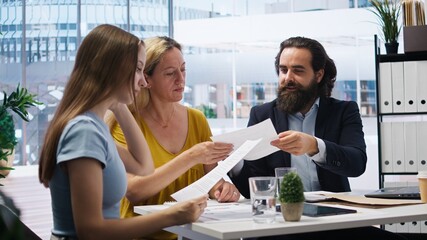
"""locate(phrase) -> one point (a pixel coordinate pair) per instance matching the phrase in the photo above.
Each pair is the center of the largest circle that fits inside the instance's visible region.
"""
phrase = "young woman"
(79, 161)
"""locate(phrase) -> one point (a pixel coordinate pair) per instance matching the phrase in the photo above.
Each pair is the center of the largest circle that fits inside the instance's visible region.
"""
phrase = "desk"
(246, 228)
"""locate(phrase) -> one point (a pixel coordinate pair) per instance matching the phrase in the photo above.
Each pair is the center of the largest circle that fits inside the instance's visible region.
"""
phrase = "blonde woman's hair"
(105, 61)
(155, 48)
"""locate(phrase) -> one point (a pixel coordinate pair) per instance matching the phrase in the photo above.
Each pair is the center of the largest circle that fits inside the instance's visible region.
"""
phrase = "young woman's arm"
(137, 157)
(86, 196)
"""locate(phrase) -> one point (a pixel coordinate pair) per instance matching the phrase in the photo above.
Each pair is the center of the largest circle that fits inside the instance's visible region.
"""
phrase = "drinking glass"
(279, 173)
(263, 199)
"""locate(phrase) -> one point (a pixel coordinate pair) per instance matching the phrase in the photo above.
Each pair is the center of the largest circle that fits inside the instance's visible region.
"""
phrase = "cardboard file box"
(414, 38)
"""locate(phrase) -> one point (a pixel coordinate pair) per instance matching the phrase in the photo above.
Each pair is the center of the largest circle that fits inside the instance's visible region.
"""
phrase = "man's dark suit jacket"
(338, 124)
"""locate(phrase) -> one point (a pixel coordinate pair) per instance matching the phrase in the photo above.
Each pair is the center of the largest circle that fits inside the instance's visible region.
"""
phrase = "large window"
(40, 53)
(229, 47)
(230, 52)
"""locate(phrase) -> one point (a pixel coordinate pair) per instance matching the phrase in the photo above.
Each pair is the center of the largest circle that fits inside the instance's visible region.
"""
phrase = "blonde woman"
(79, 160)
(178, 136)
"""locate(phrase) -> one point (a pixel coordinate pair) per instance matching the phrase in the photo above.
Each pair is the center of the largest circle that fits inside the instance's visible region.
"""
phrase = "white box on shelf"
(398, 87)
(385, 88)
(410, 83)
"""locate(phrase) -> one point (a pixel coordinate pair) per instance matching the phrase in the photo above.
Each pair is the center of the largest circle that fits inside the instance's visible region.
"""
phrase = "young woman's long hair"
(105, 61)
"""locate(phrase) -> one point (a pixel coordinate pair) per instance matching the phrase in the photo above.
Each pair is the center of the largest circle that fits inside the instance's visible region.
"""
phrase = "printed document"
(263, 130)
(214, 212)
(204, 184)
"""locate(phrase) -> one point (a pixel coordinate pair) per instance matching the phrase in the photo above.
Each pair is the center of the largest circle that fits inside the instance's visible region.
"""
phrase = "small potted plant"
(291, 196)
(18, 101)
(387, 12)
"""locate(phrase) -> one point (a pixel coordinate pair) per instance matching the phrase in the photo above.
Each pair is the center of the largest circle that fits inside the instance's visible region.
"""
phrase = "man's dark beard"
(293, 102)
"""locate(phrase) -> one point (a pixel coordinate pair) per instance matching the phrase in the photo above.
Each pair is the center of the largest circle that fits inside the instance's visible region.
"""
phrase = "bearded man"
(320, 136)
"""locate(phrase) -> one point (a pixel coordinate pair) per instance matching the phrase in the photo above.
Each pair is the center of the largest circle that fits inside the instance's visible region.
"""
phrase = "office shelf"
(401, 84)
(394, 110)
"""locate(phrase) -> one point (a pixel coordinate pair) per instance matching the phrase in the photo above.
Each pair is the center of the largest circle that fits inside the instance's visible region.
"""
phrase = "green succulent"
(291, 189)
(18, 101)
(387, 12)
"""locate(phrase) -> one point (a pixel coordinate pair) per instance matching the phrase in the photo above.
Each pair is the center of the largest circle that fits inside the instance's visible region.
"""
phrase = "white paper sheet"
(214, 212)
(222, 212)
(263, 130)
(204, 184)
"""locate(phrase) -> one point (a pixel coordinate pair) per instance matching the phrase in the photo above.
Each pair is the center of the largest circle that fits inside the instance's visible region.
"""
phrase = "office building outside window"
(229, 47)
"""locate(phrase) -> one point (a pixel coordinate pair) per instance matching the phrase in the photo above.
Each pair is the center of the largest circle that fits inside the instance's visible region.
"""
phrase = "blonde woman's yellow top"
(198, 131)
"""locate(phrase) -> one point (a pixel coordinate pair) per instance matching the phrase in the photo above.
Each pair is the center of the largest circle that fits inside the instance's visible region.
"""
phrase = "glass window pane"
(229, 47)
(50, 52)
(11, 59)
(237, 42)
(52, 37)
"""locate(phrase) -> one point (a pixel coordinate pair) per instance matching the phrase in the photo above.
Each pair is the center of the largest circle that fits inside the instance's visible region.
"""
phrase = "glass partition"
(229, 47)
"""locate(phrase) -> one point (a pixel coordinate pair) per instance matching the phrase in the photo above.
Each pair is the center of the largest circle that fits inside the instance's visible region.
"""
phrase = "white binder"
(424, 226)
(398, 146)
(410, 131)
(402, 227)
(391, 227)
(422, 86)
(398, 87)
(410, 83)
(385, 91)
(386, 147)
(414, 227)
(421, 146)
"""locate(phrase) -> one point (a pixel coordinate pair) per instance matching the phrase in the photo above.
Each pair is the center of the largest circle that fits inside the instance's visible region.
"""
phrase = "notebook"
(410, 192)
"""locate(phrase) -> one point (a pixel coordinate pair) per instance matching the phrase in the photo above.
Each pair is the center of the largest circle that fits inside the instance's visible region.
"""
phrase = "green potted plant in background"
(18, 101)
(388, 12)
(291, 197)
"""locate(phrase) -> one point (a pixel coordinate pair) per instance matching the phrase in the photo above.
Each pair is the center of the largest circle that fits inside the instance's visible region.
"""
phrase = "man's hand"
(296, 143)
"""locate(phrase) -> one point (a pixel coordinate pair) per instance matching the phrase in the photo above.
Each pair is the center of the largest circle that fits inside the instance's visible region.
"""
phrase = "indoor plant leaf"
(18, 101)
(387, 12)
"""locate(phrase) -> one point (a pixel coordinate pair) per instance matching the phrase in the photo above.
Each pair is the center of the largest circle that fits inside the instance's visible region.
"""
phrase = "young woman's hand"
(188, 211)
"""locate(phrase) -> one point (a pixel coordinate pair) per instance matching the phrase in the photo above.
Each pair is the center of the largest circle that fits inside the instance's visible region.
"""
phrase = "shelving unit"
(348, 90)
(368, 92)
(401, 83)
